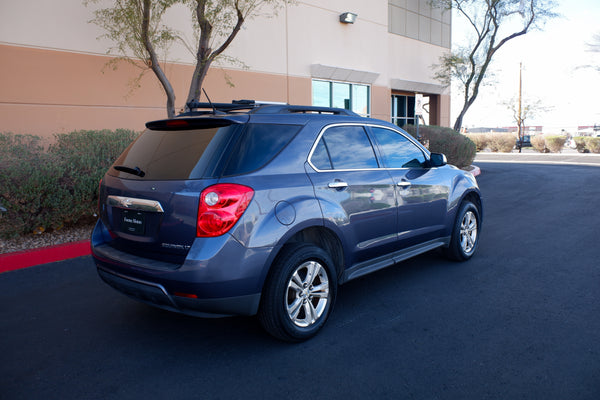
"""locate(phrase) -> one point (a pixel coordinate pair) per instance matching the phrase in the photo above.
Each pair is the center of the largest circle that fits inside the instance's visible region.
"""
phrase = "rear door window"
(344, 148)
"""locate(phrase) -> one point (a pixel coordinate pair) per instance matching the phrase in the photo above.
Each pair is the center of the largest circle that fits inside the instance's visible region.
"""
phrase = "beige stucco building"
(54, 77)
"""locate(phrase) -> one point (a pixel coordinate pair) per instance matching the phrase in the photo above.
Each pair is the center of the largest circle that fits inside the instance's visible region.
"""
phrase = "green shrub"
(47, 189)
(480, 139)
(29, 178)
(86, 156)
(539, 143)
(592, 144)
(459, 149)
(501, 142)
(555, 143)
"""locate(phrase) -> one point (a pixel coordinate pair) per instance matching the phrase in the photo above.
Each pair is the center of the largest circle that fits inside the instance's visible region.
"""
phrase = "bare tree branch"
(137, 30)
(491, 22)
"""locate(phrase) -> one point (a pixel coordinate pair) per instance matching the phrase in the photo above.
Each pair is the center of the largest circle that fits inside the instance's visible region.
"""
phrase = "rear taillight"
(221, 206)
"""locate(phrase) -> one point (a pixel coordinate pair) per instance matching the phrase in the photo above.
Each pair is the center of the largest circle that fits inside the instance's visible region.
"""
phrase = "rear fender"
(267, 223)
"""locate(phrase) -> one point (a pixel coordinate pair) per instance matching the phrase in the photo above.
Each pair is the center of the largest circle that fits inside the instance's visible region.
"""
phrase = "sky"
(552, 73)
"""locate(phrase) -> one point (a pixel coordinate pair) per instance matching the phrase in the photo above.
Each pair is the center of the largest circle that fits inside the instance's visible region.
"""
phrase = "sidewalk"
(529, 156)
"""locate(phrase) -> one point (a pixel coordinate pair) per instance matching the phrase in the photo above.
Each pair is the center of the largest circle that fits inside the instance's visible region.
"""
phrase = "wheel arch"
(475, 198)
(322, 237)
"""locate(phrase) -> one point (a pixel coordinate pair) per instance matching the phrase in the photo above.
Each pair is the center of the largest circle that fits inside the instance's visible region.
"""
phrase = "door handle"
(337, 185)
(404, 184)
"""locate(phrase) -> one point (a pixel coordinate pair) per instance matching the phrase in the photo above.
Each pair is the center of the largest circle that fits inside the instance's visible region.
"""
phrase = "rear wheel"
(299, 293)
(465, 235)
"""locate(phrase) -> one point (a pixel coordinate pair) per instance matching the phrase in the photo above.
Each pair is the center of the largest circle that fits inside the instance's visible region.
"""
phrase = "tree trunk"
(154, 64)
(196, 84)
(205, 56)
(459, 120)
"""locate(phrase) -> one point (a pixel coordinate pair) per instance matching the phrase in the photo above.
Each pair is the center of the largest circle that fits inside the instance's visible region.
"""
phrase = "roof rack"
(290, 109)
(235, 105)
(254, 107)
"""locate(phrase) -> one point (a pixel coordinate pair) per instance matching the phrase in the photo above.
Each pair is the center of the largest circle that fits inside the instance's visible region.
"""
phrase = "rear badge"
(175, 246)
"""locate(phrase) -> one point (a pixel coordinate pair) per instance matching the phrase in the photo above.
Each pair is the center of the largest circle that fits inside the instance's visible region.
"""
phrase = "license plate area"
(133, 222)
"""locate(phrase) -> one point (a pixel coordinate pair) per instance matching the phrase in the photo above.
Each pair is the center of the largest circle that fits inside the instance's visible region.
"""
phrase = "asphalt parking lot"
(521, 320)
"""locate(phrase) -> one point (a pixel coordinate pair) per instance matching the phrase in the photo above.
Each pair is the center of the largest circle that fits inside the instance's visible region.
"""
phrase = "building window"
(351, 96)
(403, 110)
(420, 20)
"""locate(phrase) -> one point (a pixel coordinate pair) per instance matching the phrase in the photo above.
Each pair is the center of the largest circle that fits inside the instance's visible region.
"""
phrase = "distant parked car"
(245, 209)
(525, 143)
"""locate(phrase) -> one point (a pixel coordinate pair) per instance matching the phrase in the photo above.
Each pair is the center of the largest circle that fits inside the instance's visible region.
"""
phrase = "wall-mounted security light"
(348, 18)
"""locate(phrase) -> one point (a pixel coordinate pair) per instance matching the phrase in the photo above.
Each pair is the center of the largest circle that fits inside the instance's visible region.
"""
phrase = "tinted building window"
(350, 96)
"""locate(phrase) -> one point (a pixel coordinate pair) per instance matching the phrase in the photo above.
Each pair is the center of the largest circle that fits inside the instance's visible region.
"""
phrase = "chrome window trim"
(132, 203)
(370, 125)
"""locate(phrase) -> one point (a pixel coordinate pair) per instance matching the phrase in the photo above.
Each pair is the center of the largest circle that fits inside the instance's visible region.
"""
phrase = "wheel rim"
(468, 232)
(307, 294)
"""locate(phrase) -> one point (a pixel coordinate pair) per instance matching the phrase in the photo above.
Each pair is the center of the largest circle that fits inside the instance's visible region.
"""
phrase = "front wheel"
(299, 293)
(465, 235)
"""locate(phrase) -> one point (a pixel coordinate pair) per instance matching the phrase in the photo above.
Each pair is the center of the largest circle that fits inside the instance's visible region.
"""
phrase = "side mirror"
(438, 160)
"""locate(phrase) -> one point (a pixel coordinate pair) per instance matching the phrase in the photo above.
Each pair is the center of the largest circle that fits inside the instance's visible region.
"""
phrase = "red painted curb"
(43, 255)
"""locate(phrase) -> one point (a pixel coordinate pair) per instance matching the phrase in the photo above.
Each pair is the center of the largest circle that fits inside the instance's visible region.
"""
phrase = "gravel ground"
(46, 239)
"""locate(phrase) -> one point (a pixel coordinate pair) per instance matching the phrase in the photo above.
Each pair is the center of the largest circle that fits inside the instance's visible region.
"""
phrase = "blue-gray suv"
(248, 209)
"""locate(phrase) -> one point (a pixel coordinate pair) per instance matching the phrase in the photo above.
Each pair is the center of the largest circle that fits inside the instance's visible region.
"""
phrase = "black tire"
(295, 306)
(465, 234)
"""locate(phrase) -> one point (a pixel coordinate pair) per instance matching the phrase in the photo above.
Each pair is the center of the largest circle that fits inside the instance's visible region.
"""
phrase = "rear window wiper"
(134, 171)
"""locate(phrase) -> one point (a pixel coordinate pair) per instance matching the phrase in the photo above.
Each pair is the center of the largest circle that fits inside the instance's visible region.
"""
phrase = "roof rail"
(254, 107)
(289, 109)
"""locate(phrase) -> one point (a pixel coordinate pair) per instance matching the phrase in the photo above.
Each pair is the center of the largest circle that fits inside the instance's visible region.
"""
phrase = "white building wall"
(279, 52)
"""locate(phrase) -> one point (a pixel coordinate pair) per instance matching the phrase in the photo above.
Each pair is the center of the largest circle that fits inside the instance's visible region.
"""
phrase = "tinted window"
(258, 145)
(344, 147)
(320, 157)
(184, 154)
(398, 151)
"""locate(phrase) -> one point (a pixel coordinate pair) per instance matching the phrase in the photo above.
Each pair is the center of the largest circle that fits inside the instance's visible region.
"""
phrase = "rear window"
(184, 154)
(202, 153)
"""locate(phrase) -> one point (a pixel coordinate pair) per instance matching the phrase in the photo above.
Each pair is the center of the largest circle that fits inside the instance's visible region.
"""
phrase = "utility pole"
(519, 115)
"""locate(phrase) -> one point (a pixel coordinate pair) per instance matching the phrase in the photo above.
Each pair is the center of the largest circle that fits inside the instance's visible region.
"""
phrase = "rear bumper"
(156, 295)
(218, 277)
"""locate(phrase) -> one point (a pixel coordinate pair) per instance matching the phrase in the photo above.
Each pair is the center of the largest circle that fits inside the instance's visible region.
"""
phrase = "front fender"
(464, 185)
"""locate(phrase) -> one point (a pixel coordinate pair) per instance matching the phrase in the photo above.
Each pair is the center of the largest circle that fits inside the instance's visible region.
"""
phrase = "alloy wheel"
(307, 294)
(468, 232)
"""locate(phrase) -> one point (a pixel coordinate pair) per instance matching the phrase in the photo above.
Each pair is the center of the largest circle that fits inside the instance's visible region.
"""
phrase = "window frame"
(351, 86)
(378, 154)
(407, 118)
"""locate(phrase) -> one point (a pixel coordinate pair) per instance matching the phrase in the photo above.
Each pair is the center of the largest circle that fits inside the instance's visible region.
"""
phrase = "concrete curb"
(473, 169)
(43, 255)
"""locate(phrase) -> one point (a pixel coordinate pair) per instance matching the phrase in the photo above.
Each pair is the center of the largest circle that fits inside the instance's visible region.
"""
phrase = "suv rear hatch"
(149, 197)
